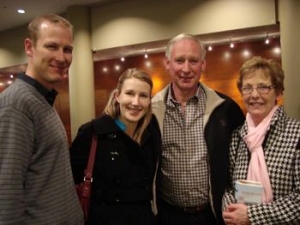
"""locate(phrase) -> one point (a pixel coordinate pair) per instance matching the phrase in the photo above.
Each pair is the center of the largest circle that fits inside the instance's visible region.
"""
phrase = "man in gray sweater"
(36, 184)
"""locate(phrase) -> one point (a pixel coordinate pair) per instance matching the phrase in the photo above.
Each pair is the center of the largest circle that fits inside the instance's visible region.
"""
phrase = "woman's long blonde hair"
(112, 107)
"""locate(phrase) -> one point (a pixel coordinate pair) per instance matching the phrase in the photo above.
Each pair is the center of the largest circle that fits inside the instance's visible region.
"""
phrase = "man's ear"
(28, 45)
(167, 63)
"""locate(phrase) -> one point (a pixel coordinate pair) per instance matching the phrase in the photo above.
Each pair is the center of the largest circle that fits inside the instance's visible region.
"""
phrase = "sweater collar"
(49, 95)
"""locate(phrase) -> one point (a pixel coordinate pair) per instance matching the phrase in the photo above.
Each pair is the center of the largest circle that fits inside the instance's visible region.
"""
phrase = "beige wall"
(11, 47)
(289, 16)
(81, 79)
(138, 21)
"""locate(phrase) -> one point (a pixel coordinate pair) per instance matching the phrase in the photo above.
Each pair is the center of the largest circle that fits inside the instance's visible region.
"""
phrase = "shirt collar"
(172, 101)
(49, 95)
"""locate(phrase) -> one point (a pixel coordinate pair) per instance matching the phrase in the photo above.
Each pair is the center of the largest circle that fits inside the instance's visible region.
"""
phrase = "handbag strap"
(89, 169)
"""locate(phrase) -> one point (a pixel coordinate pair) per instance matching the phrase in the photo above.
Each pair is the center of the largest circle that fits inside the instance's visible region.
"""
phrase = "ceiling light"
(267, 41)
(21, 11)
(146, 54)
(231, 43)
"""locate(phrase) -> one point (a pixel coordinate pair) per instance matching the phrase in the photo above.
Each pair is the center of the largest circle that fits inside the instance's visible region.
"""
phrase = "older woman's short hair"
(270, 67)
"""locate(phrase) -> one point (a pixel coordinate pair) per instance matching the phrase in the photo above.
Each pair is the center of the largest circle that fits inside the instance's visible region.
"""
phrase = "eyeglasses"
(261, 88)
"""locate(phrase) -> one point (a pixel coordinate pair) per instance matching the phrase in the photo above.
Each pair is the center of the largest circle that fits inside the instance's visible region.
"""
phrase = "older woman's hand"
(236, 214)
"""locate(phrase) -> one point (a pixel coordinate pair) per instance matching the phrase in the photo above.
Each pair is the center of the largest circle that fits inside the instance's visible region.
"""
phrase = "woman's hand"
(236, 214)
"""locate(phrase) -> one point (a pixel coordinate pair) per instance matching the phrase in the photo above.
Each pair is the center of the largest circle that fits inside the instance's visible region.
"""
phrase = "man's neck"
(182, 96)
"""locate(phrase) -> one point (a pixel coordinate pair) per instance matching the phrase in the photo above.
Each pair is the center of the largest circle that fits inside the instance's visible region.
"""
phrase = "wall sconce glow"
(9, 82)
(1, 84)
(227, 55)
(11, 76)
(148, 64)
(122, 59)
(277, 50)
(104, 69)
(209, 48)
(117, 67)
(246, 53)
(21, 11)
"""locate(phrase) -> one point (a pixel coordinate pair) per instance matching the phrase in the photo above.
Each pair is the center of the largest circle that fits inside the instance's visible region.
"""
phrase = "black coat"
(124, 170)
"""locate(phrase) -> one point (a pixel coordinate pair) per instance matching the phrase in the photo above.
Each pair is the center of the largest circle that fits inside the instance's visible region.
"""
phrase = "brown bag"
(84, 188)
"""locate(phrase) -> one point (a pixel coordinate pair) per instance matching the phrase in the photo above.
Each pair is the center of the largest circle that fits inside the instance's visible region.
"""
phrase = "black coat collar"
(105, 124)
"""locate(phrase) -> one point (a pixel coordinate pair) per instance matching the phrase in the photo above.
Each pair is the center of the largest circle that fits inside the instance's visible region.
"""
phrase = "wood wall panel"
(222, 68)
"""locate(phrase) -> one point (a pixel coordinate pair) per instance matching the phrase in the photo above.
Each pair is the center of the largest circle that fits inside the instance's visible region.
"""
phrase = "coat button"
(112, 136)
(117, 198)
(113, 155)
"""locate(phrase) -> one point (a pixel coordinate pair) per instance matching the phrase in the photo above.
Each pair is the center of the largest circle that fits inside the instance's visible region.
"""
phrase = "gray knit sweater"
(36, 184)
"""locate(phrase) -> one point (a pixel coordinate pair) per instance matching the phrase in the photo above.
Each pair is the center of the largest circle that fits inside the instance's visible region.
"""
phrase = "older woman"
(265, 149)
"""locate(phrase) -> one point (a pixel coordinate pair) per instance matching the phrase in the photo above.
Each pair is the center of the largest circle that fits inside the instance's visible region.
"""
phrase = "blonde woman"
(126, 157)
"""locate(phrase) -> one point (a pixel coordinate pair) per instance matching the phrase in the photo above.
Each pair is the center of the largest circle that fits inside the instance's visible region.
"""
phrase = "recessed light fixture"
(267, 41)
(146, 54)
(21, 11)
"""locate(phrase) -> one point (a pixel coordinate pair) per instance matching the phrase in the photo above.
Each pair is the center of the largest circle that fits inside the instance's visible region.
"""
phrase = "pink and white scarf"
(257, 169)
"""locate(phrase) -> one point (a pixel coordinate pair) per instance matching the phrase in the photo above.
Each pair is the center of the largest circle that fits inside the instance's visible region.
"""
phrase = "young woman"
(126, 158)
